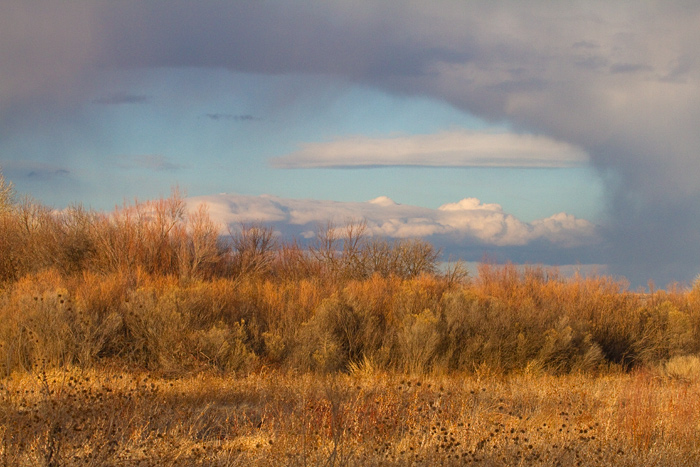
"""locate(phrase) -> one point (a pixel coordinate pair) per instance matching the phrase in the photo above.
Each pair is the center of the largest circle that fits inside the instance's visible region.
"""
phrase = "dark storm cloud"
(306, 37)
(619, 79)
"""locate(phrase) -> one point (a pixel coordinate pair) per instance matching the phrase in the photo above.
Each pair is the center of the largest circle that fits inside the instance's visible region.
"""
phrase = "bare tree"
(253, 247)
(7, 194)
(199, 244)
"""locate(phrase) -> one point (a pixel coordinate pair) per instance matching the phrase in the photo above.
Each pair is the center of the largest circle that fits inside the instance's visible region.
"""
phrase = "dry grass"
(77, 417)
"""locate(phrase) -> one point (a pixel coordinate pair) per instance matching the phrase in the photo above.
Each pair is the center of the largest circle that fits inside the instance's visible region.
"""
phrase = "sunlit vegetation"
(146, 337)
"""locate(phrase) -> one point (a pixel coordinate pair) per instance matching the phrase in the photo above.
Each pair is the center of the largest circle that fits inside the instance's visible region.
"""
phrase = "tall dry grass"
(365, 418)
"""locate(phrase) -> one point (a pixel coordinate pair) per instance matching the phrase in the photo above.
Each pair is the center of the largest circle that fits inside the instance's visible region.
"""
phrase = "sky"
(560, 133)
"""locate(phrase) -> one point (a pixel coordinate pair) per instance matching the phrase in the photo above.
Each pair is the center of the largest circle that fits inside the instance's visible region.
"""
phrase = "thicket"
(151, 285)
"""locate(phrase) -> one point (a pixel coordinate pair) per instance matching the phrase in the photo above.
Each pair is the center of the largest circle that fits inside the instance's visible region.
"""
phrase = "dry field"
(366, 418)
(144, 337)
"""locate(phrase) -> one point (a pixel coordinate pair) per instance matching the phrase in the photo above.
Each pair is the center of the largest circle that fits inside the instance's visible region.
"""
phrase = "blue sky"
(585, 108)
(215, 131)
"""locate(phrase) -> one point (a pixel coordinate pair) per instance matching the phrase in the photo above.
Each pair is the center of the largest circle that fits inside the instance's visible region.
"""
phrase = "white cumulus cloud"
(466, 222)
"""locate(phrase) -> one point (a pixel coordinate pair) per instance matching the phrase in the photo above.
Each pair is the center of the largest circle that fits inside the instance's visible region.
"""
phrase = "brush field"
(144, 337)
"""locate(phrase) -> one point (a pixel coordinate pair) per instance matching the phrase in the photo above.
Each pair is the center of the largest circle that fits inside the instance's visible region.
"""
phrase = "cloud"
(237, 118)
(121, 98)
(45, 173)
(447, 149)
(468, 227)
(46, 49)
(585, 45)
(34, 171)
(156, 162)
(630, 68)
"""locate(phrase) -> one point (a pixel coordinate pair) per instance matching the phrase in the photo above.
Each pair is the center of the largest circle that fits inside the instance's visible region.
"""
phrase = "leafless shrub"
(199, 249)
(252, 248)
